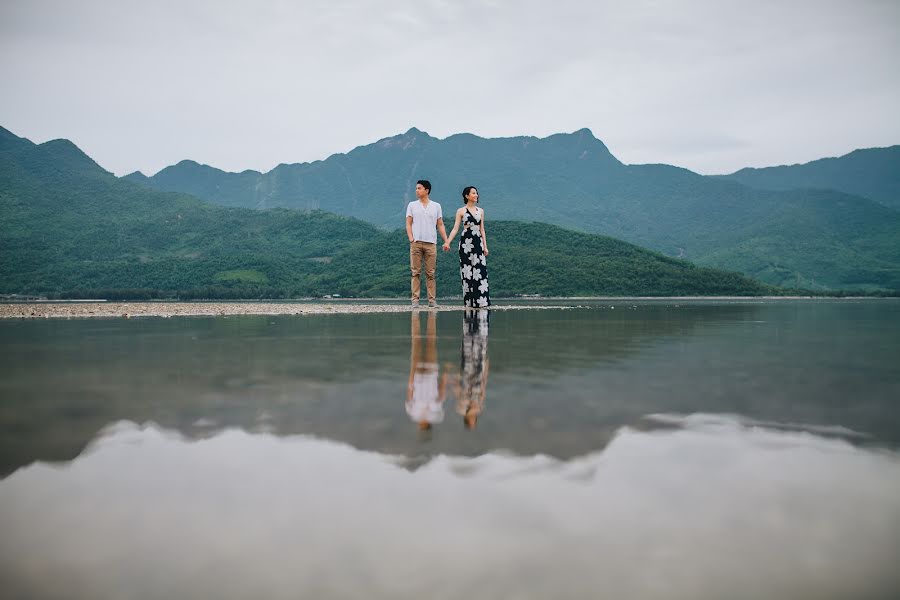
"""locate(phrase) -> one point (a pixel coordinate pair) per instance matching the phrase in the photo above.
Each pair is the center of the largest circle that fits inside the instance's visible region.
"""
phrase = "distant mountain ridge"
(804, 238)
(872, 173)
(70, 228)
(307, 185)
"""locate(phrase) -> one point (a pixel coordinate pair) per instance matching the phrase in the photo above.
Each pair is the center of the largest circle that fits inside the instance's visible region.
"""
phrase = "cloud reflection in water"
(690, 511)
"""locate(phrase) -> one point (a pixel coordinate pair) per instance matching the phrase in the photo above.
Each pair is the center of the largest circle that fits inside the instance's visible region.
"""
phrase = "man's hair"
(425, 184)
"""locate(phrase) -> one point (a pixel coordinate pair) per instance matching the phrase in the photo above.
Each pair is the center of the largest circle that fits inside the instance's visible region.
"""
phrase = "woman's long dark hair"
(466, 191)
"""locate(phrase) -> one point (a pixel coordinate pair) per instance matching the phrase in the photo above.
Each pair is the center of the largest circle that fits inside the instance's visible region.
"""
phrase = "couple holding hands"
(423, 218)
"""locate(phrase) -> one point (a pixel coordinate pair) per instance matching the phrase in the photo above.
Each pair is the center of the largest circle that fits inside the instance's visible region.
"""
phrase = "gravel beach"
(87, 308)
(66, 310)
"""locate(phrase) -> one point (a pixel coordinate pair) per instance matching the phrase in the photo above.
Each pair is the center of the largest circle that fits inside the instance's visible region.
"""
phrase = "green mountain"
(808, 238)
(71, 228)
(873, 173)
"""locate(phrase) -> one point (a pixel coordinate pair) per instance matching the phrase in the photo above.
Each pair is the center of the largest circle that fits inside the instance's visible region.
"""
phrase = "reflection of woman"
(473, 251)
(473, 378)
(424, 397)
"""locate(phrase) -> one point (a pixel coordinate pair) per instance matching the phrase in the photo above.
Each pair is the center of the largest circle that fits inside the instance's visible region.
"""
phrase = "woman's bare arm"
(453, 231)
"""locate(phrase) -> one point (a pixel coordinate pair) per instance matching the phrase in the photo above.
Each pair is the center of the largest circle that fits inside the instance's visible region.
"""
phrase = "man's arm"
(409, 232)
(443, 232)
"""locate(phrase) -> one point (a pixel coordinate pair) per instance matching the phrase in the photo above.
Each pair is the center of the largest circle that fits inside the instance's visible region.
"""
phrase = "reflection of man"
(424, 396)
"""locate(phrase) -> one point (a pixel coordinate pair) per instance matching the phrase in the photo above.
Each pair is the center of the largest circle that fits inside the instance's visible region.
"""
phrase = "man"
(422, 216)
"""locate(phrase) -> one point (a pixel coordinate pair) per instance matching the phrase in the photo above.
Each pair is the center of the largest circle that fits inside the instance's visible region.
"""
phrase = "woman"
(473, 251)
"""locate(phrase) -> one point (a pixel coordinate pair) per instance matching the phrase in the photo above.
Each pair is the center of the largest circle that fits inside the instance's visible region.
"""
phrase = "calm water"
(622, 449)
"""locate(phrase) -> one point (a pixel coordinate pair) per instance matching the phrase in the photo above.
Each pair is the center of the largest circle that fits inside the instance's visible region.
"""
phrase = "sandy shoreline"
(103, 309)
(38, 310)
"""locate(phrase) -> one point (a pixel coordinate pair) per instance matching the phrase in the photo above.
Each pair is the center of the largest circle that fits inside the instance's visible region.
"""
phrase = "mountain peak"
(71, 155)
(187, 163)
(9, 139)
(405, 140)
(584, 141)
(188, 166)
(137, 177)
(6, 134)
(414, 133)
(583, 135)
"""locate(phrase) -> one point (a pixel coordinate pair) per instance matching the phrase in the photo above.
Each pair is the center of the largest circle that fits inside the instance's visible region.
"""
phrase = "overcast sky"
(711, 85)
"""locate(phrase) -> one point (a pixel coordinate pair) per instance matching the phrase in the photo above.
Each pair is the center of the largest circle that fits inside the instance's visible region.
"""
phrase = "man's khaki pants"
(422, 253)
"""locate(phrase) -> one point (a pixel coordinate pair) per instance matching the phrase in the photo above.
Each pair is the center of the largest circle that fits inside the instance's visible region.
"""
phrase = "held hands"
(446, 246)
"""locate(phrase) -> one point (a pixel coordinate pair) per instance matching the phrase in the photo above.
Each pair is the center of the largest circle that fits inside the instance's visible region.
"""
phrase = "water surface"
(630, 449)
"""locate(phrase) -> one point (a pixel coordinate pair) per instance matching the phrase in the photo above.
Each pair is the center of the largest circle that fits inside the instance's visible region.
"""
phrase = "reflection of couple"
(425, 393)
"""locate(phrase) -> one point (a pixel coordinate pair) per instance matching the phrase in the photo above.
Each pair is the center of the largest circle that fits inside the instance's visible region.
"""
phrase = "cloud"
(142, 85)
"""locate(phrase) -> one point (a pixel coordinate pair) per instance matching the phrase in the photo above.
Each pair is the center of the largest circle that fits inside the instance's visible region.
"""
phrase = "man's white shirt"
(424, 220)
